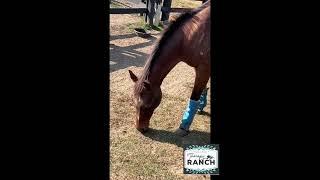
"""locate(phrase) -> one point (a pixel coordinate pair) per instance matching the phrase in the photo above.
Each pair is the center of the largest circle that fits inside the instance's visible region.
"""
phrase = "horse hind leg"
(203, 100)
(201, 80)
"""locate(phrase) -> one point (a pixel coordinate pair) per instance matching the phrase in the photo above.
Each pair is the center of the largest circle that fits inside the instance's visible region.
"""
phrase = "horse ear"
(147, 85)
(133, 76)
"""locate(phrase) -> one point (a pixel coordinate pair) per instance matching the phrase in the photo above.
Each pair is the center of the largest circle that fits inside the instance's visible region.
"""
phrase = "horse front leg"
(201, 80)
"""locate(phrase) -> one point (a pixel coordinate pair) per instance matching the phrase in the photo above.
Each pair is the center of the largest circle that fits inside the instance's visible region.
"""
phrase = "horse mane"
(166, 35)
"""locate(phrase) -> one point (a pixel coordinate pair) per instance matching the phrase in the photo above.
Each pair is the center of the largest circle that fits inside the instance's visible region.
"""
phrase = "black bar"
(128, 10)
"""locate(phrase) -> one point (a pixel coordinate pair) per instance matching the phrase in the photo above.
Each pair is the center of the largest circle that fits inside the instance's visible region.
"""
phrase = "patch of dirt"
(158, 154)
(126, 48)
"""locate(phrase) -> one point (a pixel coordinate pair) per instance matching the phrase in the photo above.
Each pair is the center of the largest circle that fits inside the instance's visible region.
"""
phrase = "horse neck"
(163, 64)
(170, 55)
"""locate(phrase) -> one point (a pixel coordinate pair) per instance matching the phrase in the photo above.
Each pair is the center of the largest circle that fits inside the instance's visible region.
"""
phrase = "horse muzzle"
(143, 130)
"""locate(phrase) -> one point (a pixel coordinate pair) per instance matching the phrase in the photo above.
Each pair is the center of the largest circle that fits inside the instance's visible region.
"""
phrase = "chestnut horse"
(187, 39)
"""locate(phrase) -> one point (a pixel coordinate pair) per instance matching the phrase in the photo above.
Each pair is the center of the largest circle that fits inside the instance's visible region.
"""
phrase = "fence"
(152, 10)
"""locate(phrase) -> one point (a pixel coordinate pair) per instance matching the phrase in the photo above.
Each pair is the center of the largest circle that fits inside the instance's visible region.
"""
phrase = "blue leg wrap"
(203, 100)
(189, 114)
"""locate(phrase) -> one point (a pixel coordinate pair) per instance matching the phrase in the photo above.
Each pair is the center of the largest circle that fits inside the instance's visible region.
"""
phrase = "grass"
(138, 162)
(141, 24)
(185, 3)
(159, 153)
(156, 28)
(115, 5)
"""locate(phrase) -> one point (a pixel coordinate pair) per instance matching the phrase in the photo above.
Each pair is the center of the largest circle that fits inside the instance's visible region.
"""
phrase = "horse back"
(196, 41)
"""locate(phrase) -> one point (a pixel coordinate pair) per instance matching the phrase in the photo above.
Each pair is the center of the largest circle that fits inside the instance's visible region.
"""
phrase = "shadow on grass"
(123, 57)
(194, 137)
(204, 113)
(157, 28)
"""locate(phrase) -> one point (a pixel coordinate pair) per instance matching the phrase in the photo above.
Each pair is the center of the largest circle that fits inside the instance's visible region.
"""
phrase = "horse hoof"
(181, 132)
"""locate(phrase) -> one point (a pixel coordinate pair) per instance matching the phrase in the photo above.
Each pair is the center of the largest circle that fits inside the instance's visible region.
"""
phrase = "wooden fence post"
(165, 15)
(151, 12)
(146, 14)
(158, 13)
(143, 1)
